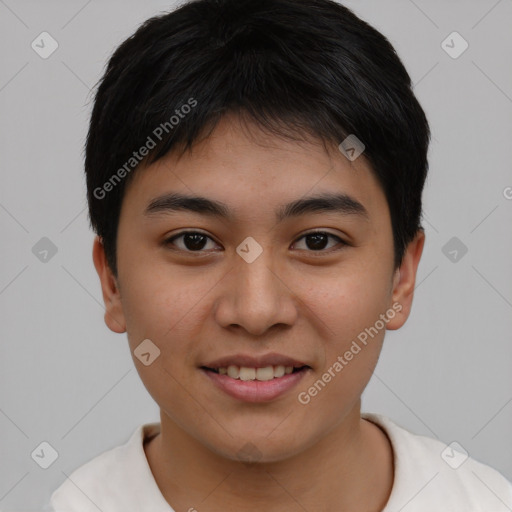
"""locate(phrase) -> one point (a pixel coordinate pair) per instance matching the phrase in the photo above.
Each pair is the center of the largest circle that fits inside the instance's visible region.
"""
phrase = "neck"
(325, 477)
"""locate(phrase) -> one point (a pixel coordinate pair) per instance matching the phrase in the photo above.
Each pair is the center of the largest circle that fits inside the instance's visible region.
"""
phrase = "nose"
(256, 297)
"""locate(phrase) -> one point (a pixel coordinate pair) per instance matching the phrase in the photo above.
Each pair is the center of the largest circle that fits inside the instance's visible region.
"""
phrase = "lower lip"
(256, 390)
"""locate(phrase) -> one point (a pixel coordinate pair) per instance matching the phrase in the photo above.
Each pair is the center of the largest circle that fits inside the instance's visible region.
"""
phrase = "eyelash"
(169, 241)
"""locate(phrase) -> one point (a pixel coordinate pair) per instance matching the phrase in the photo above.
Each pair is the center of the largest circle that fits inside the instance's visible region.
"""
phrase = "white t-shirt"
(429, 477)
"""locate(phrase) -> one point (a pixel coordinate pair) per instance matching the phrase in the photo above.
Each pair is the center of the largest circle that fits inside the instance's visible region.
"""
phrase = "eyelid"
(169, 240)
(322, 232)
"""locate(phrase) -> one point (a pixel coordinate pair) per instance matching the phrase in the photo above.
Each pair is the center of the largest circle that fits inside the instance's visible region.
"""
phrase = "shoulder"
(429, 473)
(110, 481)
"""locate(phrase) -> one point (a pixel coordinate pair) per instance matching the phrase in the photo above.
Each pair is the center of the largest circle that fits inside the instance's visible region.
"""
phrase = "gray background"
(66, 379)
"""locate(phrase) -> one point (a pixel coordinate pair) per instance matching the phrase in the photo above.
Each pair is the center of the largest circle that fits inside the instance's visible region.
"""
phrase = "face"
(268, 276)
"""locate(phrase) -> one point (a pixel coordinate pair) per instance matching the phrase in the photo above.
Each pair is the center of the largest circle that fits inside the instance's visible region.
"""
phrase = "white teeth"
(247, 373)
(233, 371)
(265, 373)
(278, 371)
(262, 374)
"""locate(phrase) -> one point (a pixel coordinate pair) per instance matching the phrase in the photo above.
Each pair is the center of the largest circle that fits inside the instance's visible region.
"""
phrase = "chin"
(253, 449)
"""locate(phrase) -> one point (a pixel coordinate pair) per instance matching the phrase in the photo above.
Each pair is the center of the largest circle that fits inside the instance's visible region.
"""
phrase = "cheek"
(164, 305)
(348, 309)
(166, 308)
(349, 301)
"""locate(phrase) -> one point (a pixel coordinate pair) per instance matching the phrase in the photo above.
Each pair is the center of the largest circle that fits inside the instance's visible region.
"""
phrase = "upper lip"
(255, 361)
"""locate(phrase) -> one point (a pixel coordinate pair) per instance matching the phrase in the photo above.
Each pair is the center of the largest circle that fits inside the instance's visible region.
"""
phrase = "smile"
(251, 384)
(246, 373)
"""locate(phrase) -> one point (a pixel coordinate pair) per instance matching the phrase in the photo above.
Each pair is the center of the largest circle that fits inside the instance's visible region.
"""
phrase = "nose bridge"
(257, 282)
(256, 297)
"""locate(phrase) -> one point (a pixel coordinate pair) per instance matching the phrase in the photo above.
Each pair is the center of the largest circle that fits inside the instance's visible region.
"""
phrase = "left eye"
(318, 240)
(194, 241)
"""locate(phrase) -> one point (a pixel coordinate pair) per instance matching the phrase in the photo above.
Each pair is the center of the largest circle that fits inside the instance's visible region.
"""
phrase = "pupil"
(194, 241)
(319, 241)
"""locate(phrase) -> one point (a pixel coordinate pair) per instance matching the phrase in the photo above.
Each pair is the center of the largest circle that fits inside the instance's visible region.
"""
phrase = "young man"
(254, 172)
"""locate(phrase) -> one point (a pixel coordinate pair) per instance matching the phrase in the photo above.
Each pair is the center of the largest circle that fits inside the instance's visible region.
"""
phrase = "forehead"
(254, 172)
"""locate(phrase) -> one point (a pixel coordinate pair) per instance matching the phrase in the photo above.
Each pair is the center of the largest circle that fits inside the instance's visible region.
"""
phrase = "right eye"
(190, 241)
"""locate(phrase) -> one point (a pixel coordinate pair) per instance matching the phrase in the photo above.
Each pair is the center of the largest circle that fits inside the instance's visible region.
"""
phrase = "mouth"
(262, 374)
(255, 379)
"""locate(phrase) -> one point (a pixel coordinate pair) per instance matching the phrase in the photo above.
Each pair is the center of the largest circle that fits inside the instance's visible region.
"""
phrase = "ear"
(114, 316)
(404, 281)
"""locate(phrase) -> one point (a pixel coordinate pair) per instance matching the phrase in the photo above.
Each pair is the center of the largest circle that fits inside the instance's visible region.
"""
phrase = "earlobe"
(114, 316)
(404, 280)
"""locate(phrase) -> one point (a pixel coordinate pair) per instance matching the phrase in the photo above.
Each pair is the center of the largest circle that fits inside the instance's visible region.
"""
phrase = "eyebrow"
(342, 204)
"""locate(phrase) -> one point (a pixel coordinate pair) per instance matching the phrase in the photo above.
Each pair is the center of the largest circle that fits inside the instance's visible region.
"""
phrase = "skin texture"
(293, 300)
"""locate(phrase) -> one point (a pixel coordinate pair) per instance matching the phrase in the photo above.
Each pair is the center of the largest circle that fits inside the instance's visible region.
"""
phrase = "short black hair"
(296, 68)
